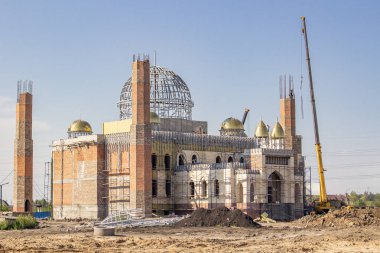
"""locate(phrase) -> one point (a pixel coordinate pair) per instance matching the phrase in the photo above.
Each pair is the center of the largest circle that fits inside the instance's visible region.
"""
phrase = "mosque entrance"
(274, 188)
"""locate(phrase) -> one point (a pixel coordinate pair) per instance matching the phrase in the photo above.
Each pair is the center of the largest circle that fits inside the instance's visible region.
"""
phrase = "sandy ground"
(279, 237)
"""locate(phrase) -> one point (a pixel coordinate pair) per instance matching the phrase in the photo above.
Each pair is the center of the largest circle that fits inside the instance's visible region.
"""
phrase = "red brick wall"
(23, 154)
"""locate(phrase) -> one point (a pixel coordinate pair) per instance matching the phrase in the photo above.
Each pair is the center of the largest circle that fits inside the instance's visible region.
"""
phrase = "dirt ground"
(278, 237)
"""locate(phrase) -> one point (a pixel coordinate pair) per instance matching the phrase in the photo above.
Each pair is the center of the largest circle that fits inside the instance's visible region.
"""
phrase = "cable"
(6, 176)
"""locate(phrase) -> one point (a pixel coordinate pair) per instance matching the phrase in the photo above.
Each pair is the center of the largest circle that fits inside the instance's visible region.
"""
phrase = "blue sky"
(230, 53)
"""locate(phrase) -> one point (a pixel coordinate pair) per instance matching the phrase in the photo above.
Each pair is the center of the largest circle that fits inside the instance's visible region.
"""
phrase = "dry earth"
(278, 237)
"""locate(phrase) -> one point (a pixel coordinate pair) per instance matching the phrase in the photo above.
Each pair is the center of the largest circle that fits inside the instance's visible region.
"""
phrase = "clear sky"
(230, 53)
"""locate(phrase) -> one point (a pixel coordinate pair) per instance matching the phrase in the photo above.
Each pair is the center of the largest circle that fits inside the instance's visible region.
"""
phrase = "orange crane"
(323, 205)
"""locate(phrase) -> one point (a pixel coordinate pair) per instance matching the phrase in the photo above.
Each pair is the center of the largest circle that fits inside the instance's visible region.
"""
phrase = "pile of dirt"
(343, 218)
(221, 216)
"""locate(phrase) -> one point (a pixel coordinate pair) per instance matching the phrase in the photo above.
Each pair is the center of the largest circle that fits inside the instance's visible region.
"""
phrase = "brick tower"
(141, 138)
(288, 118)
(23, 150)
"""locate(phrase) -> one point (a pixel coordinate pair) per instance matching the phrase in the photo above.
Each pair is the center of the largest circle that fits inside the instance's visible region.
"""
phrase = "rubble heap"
(343, 218)
(221, 216)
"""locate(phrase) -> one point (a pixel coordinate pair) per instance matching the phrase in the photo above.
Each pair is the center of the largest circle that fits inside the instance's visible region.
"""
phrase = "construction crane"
(323, 205)
(246, 111)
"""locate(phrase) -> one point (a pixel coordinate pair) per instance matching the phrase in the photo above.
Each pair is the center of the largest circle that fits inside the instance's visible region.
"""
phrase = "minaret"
(23, 150)
(288, 116)
(141, 138)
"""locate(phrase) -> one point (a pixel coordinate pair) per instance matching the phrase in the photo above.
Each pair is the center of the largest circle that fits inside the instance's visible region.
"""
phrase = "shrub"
(4, 225)
(25, 222)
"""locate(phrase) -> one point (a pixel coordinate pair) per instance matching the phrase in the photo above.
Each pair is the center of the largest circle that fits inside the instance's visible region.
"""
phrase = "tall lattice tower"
(23, 154)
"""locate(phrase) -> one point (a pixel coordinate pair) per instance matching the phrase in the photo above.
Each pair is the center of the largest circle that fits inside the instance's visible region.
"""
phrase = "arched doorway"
(274, 188)
(27, 206)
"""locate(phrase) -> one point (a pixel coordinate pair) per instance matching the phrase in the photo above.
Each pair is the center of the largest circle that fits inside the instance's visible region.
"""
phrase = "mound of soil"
(221, 216)
(343, 218)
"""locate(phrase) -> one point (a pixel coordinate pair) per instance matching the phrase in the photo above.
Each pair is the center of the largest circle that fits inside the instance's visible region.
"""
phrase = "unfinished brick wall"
(79, 182)
(23, 155)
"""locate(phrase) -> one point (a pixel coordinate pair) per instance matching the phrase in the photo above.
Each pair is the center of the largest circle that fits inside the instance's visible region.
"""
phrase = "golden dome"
(154, 118)
(261, 130)
(277, 131)
(80, 126)
(232, 124)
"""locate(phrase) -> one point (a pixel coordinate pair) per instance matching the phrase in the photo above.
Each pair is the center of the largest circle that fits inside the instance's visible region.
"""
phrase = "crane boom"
(323, 204)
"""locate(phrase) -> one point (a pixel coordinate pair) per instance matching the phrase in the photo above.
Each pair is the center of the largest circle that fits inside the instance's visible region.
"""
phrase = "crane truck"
(323, 205)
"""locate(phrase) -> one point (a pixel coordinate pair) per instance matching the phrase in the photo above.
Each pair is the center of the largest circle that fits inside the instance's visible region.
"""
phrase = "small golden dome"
(261, 130)
(80, 126)
(232, 124)
(277, 131)
(154, 118)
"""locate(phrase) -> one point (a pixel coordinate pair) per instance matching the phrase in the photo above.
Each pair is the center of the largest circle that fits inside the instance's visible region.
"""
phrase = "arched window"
(168, 188)
(181, 160)
(194, 159)
(154, 161)
(239, 193)
(216, 187)
(297, 194)
(218, 159)
(241, 160)
(230, 159)
(192, 189)
(154, 188)
(251, 193)
(167, 162)
(204, 188)
(274, 188)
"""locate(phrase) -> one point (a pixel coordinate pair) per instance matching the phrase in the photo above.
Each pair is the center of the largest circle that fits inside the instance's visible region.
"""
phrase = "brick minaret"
(141, 139)
(288, 119)
(23, 155)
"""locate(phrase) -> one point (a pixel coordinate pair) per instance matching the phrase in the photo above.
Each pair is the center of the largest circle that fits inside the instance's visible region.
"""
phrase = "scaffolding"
(179, 199)
(118, 172)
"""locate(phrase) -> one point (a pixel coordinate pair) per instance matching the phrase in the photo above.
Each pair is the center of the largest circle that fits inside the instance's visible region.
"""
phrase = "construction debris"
(135, 218)
(221, 216)
(343, 218)
(264, 217)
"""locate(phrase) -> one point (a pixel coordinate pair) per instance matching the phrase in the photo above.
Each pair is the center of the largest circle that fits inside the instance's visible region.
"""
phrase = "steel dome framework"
(169, 95)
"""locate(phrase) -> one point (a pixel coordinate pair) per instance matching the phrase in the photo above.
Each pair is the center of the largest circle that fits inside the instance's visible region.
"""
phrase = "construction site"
(156, 180)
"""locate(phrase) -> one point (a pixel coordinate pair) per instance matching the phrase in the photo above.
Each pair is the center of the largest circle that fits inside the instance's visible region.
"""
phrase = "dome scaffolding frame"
(169, 96)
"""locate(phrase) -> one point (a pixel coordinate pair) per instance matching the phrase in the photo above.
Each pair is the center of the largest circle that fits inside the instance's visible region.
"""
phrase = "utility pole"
(1, 196)
(47, 182)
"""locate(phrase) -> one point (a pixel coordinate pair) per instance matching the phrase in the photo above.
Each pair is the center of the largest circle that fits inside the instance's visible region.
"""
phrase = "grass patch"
(21, 222)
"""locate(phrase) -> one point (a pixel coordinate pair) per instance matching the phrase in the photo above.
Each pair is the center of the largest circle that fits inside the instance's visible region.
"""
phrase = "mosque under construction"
(157, 158)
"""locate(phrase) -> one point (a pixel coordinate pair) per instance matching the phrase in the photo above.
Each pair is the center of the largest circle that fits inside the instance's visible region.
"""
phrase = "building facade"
(157, 158)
